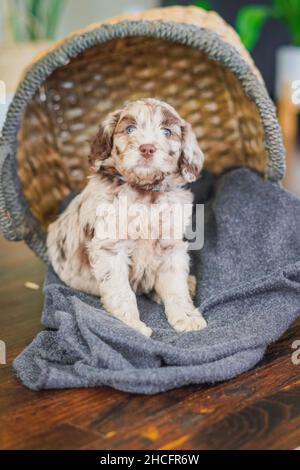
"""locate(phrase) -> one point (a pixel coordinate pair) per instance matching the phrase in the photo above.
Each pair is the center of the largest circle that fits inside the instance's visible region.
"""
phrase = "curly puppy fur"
(145, 152)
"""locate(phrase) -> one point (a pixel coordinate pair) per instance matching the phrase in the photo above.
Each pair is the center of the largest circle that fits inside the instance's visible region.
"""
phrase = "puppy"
(144, 153)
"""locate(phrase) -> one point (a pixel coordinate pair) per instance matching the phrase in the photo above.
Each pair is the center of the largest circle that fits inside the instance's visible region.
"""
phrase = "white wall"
(2, 20)
(79, 13)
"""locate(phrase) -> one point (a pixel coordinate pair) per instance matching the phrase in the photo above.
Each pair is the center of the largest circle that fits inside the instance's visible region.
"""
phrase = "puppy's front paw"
(141, 327)
(189, 321)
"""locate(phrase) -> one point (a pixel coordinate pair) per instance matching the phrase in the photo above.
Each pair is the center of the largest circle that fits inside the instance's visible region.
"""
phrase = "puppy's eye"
(130, 129)
(167, 132)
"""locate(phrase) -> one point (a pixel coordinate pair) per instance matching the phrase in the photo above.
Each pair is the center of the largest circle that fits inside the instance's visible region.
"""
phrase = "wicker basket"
(184, 55)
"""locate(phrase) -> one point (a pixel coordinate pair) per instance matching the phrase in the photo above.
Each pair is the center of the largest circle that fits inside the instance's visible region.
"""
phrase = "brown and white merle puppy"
(144, 153)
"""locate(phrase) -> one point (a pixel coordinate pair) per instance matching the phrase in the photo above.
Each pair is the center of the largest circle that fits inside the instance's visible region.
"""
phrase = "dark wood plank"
(271, 422)
(260, 409)
(184, 424)
(59, 437)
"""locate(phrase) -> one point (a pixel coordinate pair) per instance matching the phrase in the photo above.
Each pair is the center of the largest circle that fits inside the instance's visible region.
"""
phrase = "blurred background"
(270, 29)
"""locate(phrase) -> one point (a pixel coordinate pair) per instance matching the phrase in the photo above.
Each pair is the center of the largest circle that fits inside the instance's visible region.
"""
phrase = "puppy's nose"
(147, 150)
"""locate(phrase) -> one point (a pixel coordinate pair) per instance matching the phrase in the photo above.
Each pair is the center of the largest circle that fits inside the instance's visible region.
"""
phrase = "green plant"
(206, 4)
(251, 19)
(32, 20)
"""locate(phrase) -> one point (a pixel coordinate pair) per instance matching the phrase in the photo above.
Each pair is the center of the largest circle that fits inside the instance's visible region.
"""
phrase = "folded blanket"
(248, 275)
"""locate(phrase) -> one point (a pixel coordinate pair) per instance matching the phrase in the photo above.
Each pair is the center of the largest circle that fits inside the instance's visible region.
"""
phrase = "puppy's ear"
(101, 145)
(191, 158)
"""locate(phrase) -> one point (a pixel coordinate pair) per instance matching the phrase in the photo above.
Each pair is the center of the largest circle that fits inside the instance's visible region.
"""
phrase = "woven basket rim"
(16, 220)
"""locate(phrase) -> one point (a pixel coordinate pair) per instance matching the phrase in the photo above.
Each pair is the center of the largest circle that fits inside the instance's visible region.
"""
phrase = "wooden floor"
(258, 410)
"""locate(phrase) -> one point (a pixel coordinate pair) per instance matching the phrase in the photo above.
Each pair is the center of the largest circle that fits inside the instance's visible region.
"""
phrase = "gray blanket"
(248, 289)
